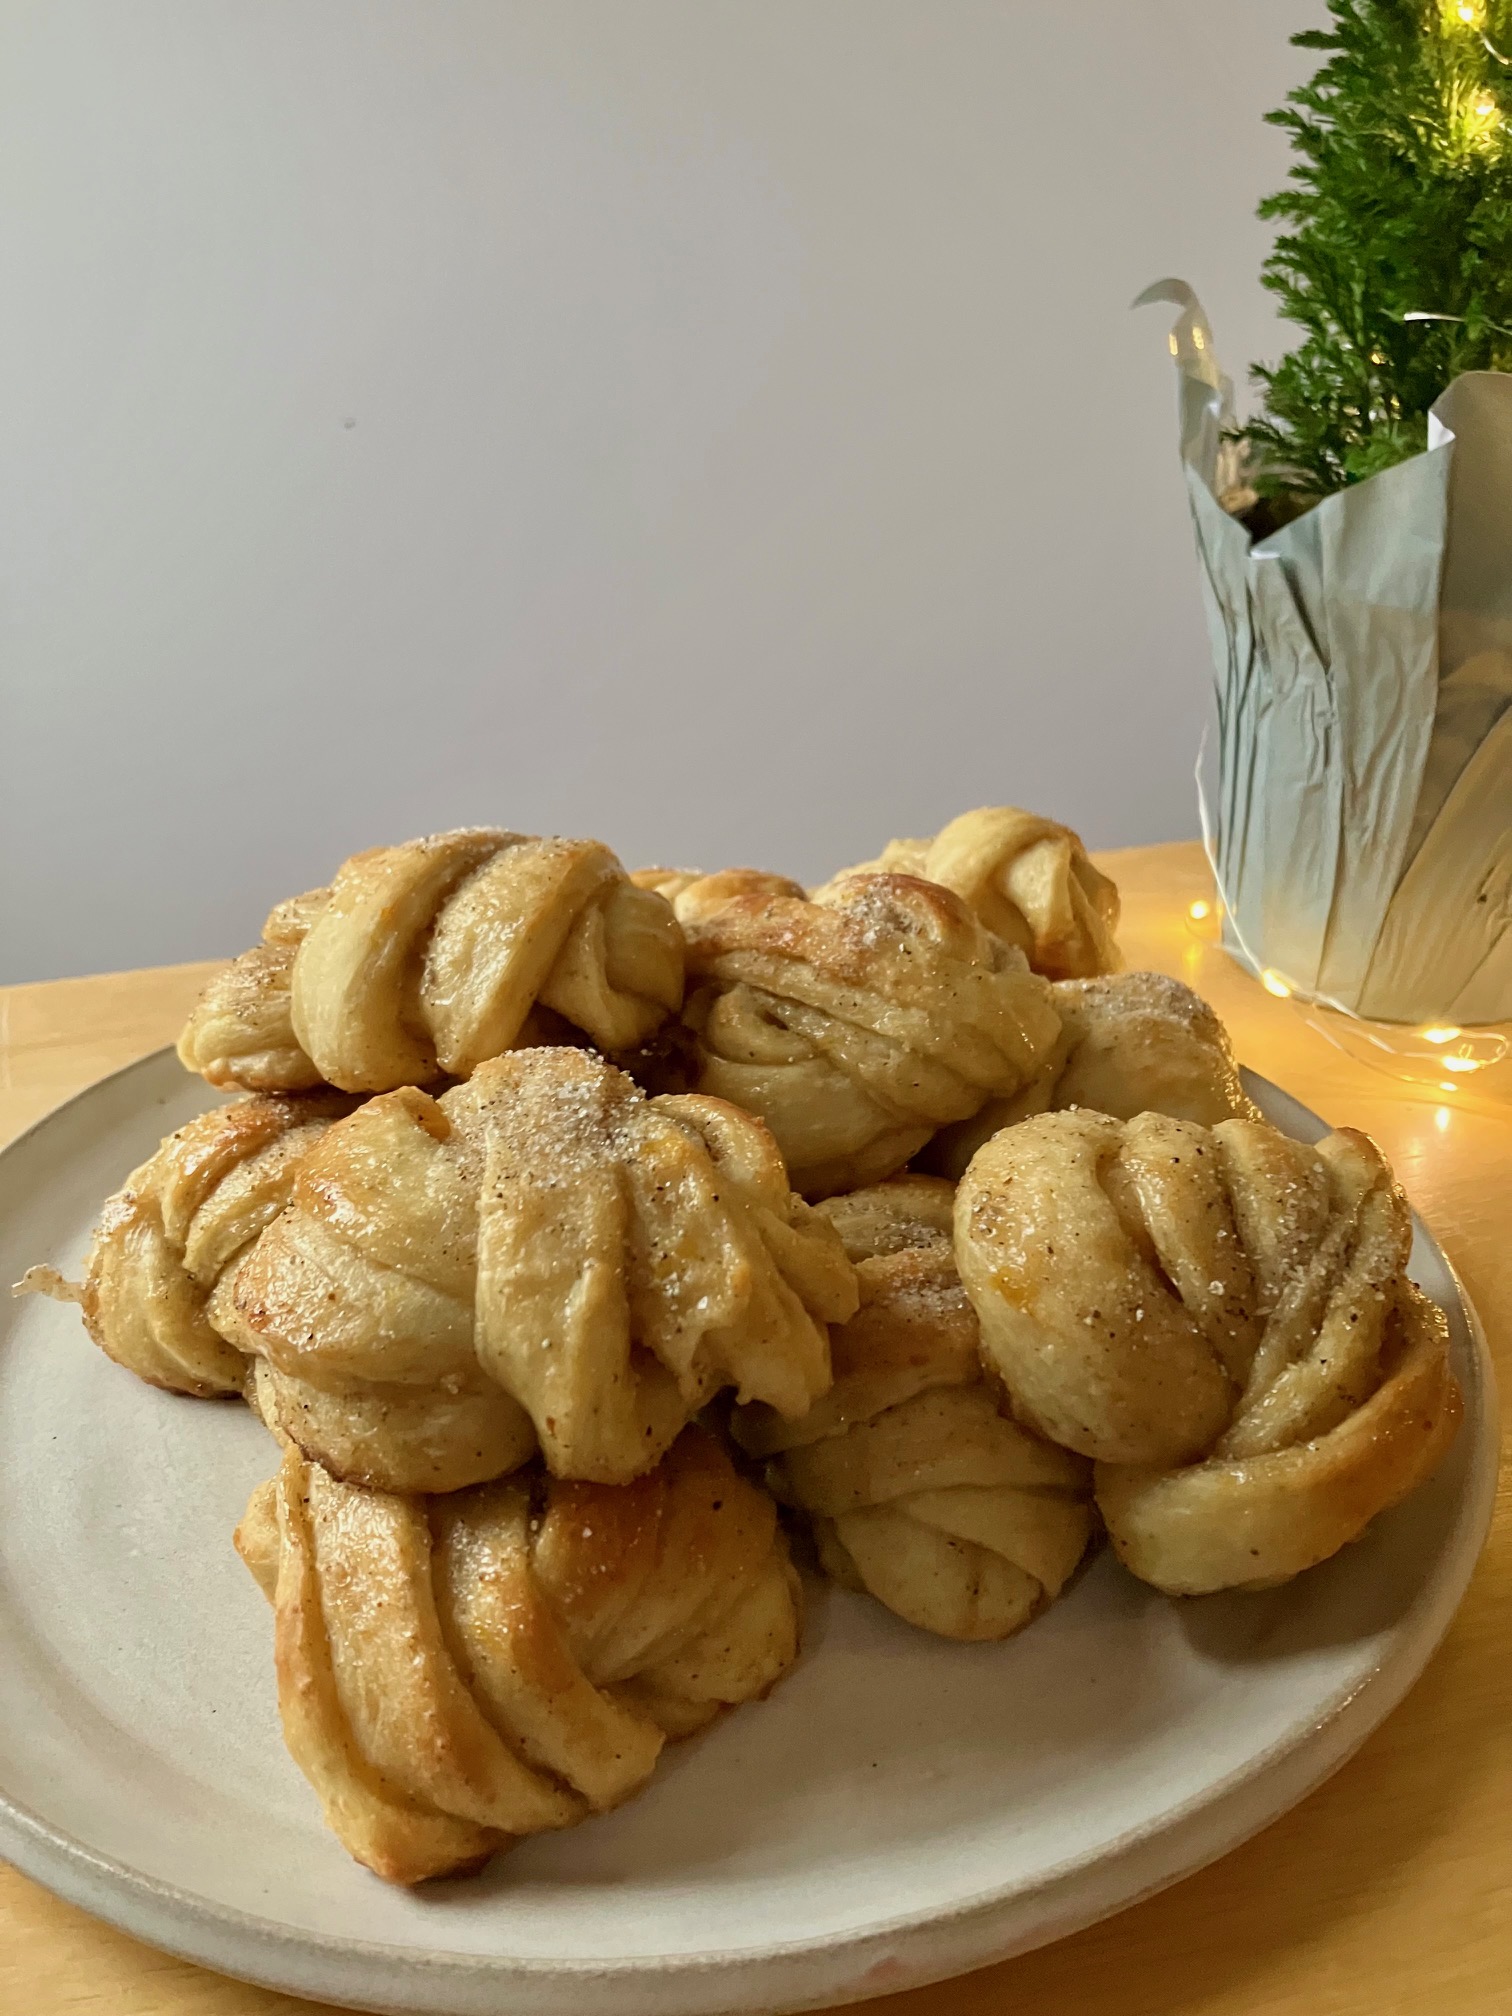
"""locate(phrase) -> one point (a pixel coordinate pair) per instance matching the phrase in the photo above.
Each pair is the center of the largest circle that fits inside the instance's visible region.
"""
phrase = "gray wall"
(715, 427)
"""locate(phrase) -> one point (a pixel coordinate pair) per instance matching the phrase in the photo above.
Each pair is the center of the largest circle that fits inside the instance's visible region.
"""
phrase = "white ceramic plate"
(900, 1810)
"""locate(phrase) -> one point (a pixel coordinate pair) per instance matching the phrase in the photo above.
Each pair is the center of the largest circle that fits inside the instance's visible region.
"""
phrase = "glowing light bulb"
(1272, 982)
(1442, 1033)
(1198, 910)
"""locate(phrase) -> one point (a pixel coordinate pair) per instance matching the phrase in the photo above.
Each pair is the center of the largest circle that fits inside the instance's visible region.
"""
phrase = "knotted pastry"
(693, 894)
(918, 1487)
(177, 1226)
(1223, 1319)
(456, 1672)
(423, 960)
(160, 1287)
(548, 1233)
(859, 1023)
(1130, 1043)
(1026, 878)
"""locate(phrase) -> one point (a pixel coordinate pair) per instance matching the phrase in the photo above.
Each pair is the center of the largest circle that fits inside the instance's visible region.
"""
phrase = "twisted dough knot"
(423, 960)
(159, 1296)
(459, 1671)
(174, 1230)
(918, 1488)
(1026, 878)
(857, 1024)
(693, 894)
(545, 1231)
(1130, 1043)
(1223, 1319)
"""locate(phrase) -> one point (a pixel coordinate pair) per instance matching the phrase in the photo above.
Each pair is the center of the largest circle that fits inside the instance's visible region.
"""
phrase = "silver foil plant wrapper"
(1363, 658)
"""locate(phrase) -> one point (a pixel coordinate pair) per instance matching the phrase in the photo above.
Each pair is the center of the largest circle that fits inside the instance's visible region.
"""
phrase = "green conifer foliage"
(1400, 203)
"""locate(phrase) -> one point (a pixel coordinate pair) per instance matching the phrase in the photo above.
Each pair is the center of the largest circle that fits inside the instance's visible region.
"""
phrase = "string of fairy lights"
(1437, 1057)
(1474, 109)
(1471, 15)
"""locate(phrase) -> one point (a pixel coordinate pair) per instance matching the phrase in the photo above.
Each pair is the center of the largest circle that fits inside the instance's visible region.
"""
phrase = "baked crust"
(606, 1261)
(917, 1485)
(456, 1672)
(859, 1023)
(1222, 1319)
(423, 960)
(1130, 1043)
(1028, 879)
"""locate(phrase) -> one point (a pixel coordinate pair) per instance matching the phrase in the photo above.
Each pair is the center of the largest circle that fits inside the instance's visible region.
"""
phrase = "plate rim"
(169, 1917)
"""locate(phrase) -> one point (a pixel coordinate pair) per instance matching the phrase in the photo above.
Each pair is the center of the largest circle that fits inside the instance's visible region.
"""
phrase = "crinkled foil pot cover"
(1363, 657)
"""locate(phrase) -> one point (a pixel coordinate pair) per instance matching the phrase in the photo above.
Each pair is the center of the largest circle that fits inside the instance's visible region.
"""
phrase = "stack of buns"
(587, 1240)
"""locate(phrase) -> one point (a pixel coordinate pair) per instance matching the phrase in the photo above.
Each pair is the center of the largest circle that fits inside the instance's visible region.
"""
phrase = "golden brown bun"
(1130, 1043)
(159, 1295)
(606, 1261)
(918, 1488)
(178, 1226)
(395, 1436)
(456, 1672)
(1222, 1318)
(1253, 1521)
(421, 961)
(692, 893)
(858, 1024)
(1026, 878)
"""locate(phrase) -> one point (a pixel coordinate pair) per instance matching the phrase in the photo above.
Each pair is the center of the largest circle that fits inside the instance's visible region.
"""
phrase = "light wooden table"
(1387, 1893)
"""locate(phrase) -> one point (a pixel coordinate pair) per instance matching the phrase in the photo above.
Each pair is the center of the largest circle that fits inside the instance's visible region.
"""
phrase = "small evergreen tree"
(1399, 207)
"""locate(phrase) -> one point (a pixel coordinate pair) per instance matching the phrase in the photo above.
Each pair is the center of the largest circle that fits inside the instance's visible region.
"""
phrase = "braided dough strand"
(547, 1235)
(402, 1403)
(455, 1673)
(1222, 1318)
(1130, 1043)
(423, 960)
(858, 1024)
(1028, 879)
(918, 1488)
(177, 1228)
